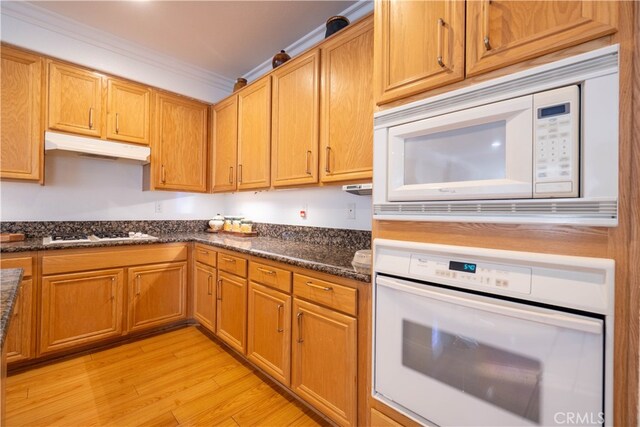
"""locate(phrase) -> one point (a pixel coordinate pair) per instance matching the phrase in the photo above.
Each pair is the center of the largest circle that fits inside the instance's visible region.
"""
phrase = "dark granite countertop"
(329, 259)
(10, 279)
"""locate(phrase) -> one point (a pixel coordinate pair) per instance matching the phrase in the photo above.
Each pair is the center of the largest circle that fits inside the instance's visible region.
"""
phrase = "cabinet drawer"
(232, 264)
(270, 276)
(205, 255)
(326, 293)
(23, 263)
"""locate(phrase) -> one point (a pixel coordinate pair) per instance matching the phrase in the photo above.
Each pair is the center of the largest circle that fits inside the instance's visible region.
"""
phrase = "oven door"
(453, 358)
(484, 152)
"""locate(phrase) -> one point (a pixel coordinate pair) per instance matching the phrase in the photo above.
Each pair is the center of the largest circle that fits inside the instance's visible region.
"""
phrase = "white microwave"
(536, 146)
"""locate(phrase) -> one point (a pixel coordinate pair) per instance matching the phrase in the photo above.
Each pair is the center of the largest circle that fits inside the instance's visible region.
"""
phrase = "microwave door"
(479, 153)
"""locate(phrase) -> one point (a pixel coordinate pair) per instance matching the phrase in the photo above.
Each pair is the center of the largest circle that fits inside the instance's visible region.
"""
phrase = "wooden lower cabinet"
(269, 331)
(231, 310)
(324, 360)
(19, 333)
(80, 308)
(204, 296)
(157, 295)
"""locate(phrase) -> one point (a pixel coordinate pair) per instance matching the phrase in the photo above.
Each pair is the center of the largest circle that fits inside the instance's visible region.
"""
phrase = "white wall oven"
(477, 337)
(536, 146)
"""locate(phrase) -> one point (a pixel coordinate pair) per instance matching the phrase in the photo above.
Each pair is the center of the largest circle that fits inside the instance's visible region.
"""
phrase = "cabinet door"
(19, 333)
(21, 150)
(204, 298)
(231, 321)
(294, 132)
(225, 145)
(324, 369)
(181, 138)
(128, 112)
(501, 33)
(346, 130)
(157, 295)
(80, 308)
(269, 331)
(419, 45)
(254, 135)
(75, 100)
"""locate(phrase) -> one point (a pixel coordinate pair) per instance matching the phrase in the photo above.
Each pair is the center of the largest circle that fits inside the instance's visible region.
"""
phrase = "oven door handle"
(504, 308)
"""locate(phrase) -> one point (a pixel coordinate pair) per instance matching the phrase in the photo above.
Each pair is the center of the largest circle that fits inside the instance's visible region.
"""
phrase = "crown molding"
(53, 22)
(353, 13)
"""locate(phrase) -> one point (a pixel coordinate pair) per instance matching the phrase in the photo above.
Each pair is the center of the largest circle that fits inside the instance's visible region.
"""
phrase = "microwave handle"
(532, 314)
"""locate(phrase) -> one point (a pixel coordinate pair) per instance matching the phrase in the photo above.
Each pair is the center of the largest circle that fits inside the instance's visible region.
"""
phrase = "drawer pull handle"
(113, 285)
(485, 24)
(230, 174)
(440, 41)
(308, 165)
(324, 288)
(138, 284)
(327, 165)
(91, 118)
(117, 123)
(228, 259)
(280, 328)
(239, 174)
(299, 317)
(209, 291)
(265, 271)
(219, 290)
(203, 252)
(163, 175)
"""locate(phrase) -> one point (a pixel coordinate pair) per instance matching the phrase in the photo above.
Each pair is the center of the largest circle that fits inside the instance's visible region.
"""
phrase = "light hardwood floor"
(178, 378)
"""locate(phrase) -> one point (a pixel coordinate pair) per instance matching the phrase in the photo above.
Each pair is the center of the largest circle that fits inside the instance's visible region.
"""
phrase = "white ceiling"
(229, 38)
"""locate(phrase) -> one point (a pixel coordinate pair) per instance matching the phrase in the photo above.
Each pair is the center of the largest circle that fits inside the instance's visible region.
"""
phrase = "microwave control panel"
(471, 274)
(556, 142)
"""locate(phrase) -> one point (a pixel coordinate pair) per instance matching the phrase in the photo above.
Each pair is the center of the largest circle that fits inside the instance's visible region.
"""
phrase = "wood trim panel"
(68, 260)
(25, 263)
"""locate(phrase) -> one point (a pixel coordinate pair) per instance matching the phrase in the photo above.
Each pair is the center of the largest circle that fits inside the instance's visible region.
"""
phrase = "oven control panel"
(470, 273)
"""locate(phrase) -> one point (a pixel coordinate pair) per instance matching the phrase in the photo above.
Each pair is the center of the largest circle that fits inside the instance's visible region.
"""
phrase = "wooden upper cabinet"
(22, 131)
(346, 123)
(500, 33)
(224, 152)
(75, 100)
(179, 156)
(128, 112)
(254, 135)
(419, 45)
(295, 117)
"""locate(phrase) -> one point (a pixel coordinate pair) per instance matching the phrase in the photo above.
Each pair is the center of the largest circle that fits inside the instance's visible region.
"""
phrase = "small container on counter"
(246, 226)
(235, 224)
(227, 223)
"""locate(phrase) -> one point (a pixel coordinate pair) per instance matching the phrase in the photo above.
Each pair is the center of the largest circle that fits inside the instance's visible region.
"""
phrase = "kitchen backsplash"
(355, 239)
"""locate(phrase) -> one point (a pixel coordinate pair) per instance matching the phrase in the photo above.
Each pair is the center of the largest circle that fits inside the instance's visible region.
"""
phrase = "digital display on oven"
(462, 266)
(554, 110)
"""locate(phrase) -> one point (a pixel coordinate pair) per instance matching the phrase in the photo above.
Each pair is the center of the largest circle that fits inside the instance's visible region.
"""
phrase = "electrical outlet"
(158, 207)
(351, 211)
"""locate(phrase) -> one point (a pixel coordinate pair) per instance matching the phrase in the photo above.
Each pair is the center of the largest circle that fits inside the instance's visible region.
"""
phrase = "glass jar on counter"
(246, 226)
(235, 224)
(227, 223)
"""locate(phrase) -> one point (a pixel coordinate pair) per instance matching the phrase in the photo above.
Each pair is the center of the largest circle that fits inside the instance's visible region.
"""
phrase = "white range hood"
(96, 147)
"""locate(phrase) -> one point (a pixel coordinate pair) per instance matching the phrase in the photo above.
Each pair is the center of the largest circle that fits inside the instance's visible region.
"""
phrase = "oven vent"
(601, 212)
